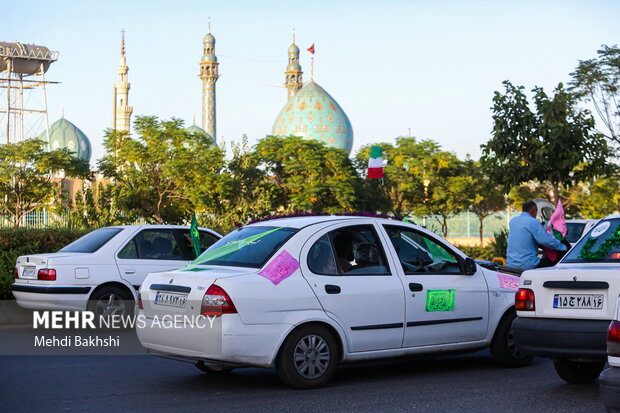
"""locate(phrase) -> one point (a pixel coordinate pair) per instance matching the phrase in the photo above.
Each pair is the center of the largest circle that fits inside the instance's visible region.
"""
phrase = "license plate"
(580, 301)
(170, 299)
(28, 272)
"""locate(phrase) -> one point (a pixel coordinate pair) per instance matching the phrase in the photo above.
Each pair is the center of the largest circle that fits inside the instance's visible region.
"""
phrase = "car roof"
(156, 226)
(580, 221)
(304, 221)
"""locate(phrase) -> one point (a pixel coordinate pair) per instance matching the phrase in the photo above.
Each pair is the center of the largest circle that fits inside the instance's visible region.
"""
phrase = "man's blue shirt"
(523, 239)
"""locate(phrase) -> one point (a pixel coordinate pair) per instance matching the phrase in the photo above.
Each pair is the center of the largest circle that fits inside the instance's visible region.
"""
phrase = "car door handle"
(332, 289)
(415, 287)
(130, 271)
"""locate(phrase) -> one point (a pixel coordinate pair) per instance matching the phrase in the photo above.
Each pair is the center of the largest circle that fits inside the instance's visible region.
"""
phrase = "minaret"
(122, 111)
(293, 74)
(208, 75)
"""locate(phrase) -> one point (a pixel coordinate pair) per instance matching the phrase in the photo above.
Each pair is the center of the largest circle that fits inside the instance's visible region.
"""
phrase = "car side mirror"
(470, 266)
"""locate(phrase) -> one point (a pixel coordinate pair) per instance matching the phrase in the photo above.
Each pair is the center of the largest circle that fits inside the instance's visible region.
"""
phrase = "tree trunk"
(555, 187)
(481, 228)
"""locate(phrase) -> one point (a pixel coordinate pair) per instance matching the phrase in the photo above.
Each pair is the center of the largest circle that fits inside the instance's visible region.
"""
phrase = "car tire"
(578, 372)
(308, 358)
(503, 348)
(109, 301)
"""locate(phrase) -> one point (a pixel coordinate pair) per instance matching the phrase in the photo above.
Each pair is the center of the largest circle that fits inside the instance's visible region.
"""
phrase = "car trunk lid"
(179, 293)
(569, 292)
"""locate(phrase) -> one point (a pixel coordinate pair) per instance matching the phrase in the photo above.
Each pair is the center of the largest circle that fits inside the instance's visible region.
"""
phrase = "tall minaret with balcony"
(208, 75)
(293, 74)
(122, 111)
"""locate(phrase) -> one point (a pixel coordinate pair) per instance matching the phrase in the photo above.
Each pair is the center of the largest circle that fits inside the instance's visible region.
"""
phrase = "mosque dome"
(209, 38)
(209, 58)
(197, 130)
(313, 114)
(293, 49)
(64, 134)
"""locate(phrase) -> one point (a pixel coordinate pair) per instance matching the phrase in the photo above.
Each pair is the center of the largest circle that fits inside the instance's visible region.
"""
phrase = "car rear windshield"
(246, 247)
(602, 244)
(574, 230)
(92, 241)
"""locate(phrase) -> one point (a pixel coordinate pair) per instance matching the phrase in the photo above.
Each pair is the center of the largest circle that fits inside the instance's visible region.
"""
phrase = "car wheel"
(578, 372)
(111, 301)
(308, 358)
(503, 348)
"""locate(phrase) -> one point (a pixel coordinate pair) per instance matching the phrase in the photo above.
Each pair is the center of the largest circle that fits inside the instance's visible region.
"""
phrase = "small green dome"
(208, 39)
(197, 130)
(293, 49)
(209, 58)
(293, 67)
(64, 134)
(313, 114)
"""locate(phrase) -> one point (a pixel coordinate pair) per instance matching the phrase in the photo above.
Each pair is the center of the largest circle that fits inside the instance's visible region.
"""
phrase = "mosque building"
(310, 111)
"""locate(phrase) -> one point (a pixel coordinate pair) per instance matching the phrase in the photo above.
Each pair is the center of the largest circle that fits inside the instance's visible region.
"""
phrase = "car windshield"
(246, 247)
(92, 241)
(602, 244)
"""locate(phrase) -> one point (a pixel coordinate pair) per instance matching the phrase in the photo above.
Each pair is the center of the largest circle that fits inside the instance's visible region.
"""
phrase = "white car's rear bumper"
(45, 297)
(227, 340)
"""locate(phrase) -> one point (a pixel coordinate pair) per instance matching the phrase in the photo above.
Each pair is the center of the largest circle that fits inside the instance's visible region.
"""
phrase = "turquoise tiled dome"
(313, 114)
(64, 134)
(197, 130)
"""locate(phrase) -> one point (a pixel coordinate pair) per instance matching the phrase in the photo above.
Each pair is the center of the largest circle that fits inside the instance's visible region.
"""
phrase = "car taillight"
(524, 300)
(140, 305)
(613, 339)
(46, 274)
(216, 302)
(16, 273)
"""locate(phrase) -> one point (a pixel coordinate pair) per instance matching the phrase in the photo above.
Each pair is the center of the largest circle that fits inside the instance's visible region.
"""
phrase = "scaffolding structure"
(22, 74)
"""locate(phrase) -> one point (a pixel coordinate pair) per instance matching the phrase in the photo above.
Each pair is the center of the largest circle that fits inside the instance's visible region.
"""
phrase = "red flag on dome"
(311, 48)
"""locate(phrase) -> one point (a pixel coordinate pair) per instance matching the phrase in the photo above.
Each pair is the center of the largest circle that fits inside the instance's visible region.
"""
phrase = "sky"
(425, 68)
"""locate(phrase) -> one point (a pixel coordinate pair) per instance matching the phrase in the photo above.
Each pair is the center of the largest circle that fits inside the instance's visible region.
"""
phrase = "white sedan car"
(564, 311)
(307, 293)
(103, 270)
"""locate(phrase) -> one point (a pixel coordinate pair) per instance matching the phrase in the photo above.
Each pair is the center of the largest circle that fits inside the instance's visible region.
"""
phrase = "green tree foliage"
(94, 207)
(485, 196)
(420, 178)
(163, 172)
(554, 143)
(306, 175)
(598, 81)
(598, 198)
(28, 176)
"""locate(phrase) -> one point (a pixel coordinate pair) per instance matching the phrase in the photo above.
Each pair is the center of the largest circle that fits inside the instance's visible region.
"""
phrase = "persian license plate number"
(28, 272)
(170, 299)
(578, 301)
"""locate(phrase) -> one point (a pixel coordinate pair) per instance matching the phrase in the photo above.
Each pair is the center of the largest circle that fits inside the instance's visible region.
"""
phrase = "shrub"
(479, 253)
(22, 241)
(500, 243)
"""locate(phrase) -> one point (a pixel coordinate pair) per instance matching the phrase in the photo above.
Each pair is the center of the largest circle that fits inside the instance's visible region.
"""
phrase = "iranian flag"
(375, 163)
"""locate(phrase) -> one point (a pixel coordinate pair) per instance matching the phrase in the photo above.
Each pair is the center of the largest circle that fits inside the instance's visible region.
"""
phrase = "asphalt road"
(465, 383)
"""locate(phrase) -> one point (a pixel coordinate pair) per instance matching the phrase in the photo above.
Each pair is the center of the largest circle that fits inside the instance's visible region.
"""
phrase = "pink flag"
(558, 220)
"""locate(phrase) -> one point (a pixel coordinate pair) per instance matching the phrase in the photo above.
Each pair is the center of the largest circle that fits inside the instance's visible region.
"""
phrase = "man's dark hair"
(528, 206)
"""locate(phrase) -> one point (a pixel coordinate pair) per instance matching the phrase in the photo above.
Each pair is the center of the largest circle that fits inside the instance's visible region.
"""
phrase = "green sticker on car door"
(440, 300)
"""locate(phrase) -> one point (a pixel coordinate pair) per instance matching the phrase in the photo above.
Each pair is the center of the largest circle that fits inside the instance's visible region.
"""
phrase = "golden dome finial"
(123, 42)
(209, 24)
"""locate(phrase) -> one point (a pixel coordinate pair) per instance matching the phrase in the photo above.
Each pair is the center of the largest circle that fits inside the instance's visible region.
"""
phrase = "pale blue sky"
(431, 66)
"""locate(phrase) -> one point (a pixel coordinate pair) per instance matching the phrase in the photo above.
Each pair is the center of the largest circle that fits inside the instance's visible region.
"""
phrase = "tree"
(598, 81)
(598, 198)
(164, 172)
(28, 176)
(554, 144)
(94, 207)
(485, 196)
(419, 177)
(307, 176)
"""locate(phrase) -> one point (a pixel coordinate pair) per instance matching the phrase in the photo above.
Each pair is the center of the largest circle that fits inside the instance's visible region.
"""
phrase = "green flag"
(193, 232)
